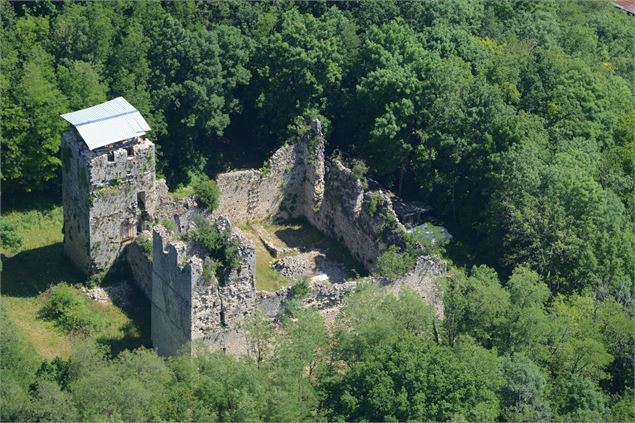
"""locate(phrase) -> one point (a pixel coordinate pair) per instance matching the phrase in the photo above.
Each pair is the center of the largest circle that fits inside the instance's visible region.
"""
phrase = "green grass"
(294, 234)
(40, 264)
(267, 279)
(36, 227)
(300, 234)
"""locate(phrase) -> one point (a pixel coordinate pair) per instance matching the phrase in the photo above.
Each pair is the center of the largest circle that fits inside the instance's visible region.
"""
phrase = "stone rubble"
(118, 293)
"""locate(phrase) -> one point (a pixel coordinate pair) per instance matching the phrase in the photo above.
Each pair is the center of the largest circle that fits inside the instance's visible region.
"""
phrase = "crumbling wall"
(346, 215)
(140, 267)
(187, 308)
(328, 298)
(173, 276)
(276, 191)
(219, 308)
(300, 182)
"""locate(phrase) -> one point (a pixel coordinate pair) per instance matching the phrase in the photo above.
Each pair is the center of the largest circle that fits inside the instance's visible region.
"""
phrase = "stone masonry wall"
(140, 268)
(108, 195)
(219, 309)
(344, 215)
(173, 276)
(186, 309)
(116, 214)
(75, 191)
(256, 195)
(302, 183)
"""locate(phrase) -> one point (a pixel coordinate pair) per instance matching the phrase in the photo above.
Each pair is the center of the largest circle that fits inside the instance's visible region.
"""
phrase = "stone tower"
(108, 183)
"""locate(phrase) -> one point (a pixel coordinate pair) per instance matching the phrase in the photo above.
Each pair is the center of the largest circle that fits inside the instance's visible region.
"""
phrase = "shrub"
(265, 169)
(95, 280)
(70, 311)
(359, 170)
(373, 204)
(210, 268)
(206, 192)
(393, 263)
(9, 237)
(145, 244)
(169, 225)
(300, 289)
(222, 250)
(207, 235)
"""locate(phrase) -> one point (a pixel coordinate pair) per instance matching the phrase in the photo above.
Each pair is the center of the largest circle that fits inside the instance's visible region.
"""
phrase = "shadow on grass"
(136, 333)
(24, 202)
(31, 272)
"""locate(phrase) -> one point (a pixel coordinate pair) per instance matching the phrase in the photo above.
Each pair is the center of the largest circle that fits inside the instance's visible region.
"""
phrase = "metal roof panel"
(107, 123)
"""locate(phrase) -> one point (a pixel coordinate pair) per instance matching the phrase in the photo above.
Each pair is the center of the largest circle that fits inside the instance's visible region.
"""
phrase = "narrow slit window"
(141, 200)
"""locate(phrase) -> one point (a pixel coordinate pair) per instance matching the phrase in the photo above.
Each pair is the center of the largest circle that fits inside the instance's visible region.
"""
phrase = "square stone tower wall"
(108, 195)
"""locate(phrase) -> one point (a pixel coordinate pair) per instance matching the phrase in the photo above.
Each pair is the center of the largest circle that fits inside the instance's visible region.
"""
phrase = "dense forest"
(513, 119)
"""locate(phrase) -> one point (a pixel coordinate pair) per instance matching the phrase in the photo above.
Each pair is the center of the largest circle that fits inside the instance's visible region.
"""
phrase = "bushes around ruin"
(396, 261)
(221, 249)
(206, 192)
(70, 310)
(360, 169)
(144, 242)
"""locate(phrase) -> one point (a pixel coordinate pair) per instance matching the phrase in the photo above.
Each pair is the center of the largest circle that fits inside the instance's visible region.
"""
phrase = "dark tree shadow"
(31, 272)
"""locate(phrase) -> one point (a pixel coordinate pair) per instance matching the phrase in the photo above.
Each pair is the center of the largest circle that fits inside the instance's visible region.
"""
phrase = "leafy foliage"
(513, 119)
(206, 193)
(69, 309)
(221, 248)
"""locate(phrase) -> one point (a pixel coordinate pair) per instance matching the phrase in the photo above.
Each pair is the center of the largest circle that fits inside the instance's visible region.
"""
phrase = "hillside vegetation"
(513, 119)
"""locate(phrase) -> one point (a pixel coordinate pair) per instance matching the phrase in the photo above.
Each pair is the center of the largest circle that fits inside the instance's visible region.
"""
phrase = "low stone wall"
(422, 280)
(328, 297)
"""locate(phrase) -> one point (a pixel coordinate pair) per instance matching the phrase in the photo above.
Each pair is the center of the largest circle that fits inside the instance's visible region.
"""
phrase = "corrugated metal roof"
(108, 122)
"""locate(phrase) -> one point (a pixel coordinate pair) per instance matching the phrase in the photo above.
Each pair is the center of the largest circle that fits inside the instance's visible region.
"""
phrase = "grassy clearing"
(294, 234)
(40, 264)
(300, 234)
(267, 279)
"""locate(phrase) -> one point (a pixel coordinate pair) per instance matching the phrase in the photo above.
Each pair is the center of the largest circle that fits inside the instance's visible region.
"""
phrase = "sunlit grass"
(267, 279)
(39, 264)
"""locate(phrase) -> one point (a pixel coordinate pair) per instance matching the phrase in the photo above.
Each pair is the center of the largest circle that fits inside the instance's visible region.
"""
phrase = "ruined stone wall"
(186, 308)
(219, 309)
(328, 298)
(277, 191)
(108, 195)
(173, 276)
(140, 268)
(302, 183)
(344, 214)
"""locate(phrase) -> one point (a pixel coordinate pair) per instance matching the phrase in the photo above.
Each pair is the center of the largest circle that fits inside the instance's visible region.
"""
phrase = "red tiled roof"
(626, 5)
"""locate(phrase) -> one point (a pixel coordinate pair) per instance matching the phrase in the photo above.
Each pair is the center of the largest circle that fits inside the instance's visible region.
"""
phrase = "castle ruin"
(111, 198)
